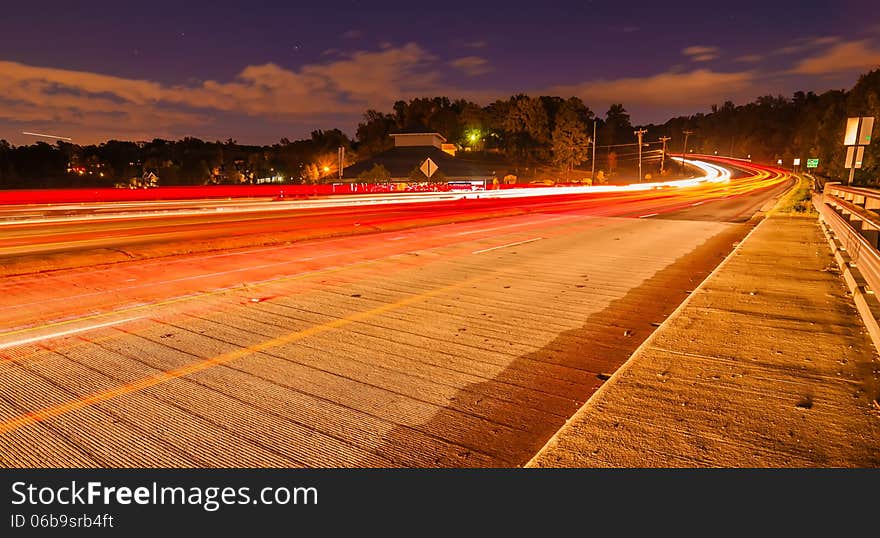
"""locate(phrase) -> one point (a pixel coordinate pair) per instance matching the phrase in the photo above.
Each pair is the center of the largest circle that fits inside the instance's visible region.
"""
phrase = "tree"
(372, 133)
(864, 100)
(528, 128)
(571, 144)
(617, 128)
(376, 174)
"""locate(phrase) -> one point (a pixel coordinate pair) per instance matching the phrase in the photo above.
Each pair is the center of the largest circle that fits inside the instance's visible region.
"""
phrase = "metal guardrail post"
(852, 213)
(855, 247)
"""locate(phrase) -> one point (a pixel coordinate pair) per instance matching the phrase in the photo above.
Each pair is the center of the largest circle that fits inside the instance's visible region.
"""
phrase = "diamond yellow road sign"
(428, 167)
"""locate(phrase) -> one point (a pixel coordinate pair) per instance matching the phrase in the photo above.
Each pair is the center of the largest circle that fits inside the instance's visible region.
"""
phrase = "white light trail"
(47, 136)
(507, 245)
(16, 343)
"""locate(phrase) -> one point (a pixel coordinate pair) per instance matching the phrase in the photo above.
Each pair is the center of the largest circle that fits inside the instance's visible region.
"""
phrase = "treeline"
(777, 128)
(189, 161)
(532, 133)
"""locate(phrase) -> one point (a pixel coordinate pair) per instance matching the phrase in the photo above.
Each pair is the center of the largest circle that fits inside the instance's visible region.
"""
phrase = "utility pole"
(685, 147)
(593, 172)
(639, 133)
(663, 155)
(340, 154)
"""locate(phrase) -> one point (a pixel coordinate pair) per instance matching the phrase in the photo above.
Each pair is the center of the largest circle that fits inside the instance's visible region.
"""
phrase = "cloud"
(840, 57)
(471, 65)
(825, 40)
(103, 103)
(693, 88)
(99, 106)
(346, 85)
(806, 43)
(701, 53)
(352, 34)
(749, 58)
(790, 49)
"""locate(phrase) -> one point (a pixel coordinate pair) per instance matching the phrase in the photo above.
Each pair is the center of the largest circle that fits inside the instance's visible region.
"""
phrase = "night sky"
(259, 71)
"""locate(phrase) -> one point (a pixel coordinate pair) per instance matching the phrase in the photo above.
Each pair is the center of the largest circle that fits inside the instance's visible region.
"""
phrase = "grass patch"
(799, 200)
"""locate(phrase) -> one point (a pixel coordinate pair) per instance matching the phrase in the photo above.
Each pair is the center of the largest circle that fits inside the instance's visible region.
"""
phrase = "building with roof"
(412, 148)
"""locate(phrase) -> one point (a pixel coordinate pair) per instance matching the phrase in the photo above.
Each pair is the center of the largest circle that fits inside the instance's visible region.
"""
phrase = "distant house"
(147, 179)
(413, 147)
(417, 139)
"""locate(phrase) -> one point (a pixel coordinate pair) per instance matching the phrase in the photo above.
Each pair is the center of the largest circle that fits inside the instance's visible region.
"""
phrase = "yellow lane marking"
(34, 417)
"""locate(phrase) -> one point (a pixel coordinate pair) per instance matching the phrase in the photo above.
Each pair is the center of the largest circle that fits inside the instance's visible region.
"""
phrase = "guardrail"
(819, 180)
(851, 217)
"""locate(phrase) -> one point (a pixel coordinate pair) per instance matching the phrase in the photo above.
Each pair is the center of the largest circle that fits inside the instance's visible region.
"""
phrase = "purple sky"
(258, 72)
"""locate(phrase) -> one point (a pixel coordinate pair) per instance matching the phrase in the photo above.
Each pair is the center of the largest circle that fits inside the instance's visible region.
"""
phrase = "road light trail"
(265, 221)
(398, 352)
(514, 244)
(191, 268)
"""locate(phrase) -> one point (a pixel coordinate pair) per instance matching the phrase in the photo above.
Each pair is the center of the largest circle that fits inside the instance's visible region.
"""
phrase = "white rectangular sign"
(852, 130)
(858, 131)
(859, 152)
(865, 130)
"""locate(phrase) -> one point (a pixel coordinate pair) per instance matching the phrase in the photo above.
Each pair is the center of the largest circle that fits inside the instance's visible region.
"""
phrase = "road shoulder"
(766, 365)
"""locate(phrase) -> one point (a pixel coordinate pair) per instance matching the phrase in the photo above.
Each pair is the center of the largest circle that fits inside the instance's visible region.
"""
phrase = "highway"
(48, 234)
(457, 333)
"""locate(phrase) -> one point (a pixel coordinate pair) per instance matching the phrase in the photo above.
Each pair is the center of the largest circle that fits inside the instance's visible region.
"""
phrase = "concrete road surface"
(463, 344)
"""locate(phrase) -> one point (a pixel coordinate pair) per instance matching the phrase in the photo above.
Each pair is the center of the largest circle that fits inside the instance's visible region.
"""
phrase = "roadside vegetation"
(799, 201)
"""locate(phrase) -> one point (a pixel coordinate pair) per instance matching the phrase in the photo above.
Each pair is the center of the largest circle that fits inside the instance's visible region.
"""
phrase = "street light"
(473, 136)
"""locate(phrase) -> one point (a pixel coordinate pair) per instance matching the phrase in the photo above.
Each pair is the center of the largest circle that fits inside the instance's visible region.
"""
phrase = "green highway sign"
(812, 163)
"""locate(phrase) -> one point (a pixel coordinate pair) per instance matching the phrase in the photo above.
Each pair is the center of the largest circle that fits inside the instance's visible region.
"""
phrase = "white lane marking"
(33, 339)
(437, 229)
(648, 215)
(508, 245)
(516, 225)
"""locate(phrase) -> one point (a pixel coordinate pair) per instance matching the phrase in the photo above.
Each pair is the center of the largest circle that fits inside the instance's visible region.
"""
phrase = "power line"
(629, 144)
